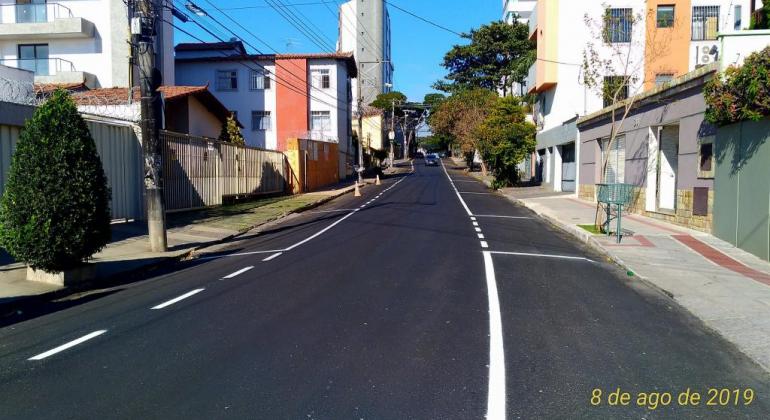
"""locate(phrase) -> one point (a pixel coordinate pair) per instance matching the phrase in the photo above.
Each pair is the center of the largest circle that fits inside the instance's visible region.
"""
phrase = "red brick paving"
(721, 259)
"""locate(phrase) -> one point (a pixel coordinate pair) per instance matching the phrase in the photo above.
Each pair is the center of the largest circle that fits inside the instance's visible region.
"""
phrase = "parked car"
(431, 160)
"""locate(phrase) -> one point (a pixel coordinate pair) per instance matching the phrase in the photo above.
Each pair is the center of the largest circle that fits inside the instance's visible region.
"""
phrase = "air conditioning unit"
(706, 54)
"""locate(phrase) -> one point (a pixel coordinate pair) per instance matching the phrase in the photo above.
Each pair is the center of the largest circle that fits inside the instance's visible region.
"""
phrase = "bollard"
(358, 191)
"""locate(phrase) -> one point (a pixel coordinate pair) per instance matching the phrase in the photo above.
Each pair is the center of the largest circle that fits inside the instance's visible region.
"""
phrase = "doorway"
(668, 167)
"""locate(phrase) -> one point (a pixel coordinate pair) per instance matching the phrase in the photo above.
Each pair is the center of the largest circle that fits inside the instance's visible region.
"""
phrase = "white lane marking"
(328, 211)
(465, 206)
(274, 256)
(457, 180)
(476, 193)
(68, 345)
(481, 236)
(496, 390)
(527, 254)
(476, 224)
(484, 244)
(501, 217)
(239, 254)
(177, 299)
(478, 229)
(473, 218)
(326, 229)
(239, 272)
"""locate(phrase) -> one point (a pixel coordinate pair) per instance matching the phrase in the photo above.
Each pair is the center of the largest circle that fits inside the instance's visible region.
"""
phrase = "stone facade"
(684, 208)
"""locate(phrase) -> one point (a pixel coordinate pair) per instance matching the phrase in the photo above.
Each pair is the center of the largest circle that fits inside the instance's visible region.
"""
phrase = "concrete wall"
(202, 122)
(736, 46)
(742, 193)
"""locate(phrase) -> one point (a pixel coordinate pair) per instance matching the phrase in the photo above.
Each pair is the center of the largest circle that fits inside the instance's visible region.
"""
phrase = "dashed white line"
(484, 244)
(177, 299)
(475, 224)
(496, 390)
(473, 218)
(68, 345)
(274, 256)
(239, 272)
(481, 236)
(478, 229)
(501, 217)
(465, 206)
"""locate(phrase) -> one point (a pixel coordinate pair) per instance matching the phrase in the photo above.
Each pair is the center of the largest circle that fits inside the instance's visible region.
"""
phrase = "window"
(666, 16)
(615, 171)
(259, 79)
(705, 22)
(661, 79)
(321, 79)
(320, 121)
(34, 57)
(227, 80)
(738, 17)
(615, 89)
(618, 25)
(31, 11)
(706, 157)
(260, 120)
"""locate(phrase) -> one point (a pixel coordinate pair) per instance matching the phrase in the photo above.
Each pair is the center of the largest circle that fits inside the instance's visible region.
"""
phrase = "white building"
(364, 28)
(518, 10)
(276, 97)
(661, 40)
(76, 41)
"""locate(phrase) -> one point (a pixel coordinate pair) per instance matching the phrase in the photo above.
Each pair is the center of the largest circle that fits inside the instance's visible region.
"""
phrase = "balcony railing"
(40, 66)
(33, 13)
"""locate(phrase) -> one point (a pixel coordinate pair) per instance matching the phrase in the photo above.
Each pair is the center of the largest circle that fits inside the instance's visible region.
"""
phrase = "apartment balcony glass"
(531, 82)
(36, 20)
(40, 66)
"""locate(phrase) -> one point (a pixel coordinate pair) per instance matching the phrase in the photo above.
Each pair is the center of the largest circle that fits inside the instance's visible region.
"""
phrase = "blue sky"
(418, 48)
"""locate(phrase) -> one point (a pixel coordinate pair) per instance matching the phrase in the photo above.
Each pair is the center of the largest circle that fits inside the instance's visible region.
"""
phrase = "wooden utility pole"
(144, 28)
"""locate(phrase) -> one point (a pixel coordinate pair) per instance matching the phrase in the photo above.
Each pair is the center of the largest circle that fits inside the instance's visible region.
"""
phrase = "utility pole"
(144, 31)
(360, 127)
(392, 134)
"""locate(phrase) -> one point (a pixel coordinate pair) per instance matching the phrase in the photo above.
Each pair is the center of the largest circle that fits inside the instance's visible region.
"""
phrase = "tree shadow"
(740, 142)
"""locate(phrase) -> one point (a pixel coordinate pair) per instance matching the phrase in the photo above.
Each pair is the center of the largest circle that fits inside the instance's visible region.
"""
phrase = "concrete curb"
(13, 303)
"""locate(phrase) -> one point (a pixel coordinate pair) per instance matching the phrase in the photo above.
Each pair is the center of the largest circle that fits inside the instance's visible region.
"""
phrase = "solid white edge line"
(502, 217)
(465, 206)
(239, 272)
(274, 256)
(239, 254)
(484, 244)
(68, 345)
(527, 254)
(496, 390)
(177, 299)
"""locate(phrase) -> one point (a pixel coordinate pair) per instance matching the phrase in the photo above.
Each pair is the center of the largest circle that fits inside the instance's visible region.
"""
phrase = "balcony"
(42, 21)
(531, 83)
(49, 70)
(533, 24)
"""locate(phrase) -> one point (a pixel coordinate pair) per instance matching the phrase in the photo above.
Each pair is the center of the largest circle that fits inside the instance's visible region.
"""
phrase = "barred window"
(260, 120)
(705, 22)
(259, 80)
(618, 25)
(227, 80)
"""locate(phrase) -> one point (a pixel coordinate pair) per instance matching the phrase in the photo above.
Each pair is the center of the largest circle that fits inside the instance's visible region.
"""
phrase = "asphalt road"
(427, 298)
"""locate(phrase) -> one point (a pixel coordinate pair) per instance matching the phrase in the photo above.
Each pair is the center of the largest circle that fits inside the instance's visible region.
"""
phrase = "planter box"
(82, 274)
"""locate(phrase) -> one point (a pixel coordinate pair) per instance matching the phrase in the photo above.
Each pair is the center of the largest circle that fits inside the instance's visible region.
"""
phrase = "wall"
(244, 100)
(202, 122)
(685, 107)
(736, 46)
(742, 199)
(292, 104)
(669, 52)
(314, 164)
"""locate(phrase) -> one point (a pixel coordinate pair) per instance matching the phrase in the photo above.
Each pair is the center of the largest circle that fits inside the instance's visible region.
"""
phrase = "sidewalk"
(187, 232)
(727, 288)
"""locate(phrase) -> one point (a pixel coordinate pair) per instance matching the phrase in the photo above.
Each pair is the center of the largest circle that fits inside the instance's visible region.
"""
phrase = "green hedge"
(54, 213)
(740, 93)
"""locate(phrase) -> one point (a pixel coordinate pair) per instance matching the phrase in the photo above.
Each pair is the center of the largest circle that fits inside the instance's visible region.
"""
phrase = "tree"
(612, 71)
(231, 133)
(505, 140)
(761, 18)
(384, 101)
(432, 100)
(497, 56)
(459, 116)
(54, 213)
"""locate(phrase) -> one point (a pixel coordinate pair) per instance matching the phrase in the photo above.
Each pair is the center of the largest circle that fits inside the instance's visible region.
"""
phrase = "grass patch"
(592, 229)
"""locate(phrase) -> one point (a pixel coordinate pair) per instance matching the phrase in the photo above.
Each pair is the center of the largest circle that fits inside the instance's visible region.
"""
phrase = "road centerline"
(68, 345)
(177, 299)
(238, 273)
(272, 257)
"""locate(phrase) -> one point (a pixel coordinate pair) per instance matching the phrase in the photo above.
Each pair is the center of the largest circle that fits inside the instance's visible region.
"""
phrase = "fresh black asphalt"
(383, 316)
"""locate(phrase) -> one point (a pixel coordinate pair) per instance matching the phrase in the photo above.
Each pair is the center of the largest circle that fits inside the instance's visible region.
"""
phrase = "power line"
(430, 22)
(297, 23)
(264, 6)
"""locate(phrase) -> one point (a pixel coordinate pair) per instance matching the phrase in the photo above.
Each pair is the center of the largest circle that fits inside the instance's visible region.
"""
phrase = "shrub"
(741, 93)
(231, 133)
(54, 213)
